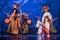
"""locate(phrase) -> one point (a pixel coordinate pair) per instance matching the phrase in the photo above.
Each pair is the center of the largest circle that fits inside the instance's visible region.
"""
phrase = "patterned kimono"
(47, 19)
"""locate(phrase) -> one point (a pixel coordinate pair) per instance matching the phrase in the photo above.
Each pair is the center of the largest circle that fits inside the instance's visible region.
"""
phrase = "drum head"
(6, 20)
(29, 21)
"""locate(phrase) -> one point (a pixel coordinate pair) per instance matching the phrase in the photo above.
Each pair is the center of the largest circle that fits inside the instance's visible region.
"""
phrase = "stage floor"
(28, 37)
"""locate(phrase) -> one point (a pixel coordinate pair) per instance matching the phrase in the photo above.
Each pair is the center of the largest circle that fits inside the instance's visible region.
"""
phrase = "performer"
(47, 20)
(39, 26)
(24, 26)
(23, 21)
(14, 25)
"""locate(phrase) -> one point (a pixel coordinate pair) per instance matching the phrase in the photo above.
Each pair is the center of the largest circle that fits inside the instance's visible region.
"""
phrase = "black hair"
(15, 13)
(16, 10)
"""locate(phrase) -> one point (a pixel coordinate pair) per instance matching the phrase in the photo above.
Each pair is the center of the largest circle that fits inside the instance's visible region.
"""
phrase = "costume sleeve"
(50, 16)
(38, 24)
(43, 18)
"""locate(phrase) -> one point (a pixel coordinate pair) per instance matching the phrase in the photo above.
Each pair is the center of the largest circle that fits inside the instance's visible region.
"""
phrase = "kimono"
(47, 20)
(39, 27)
(13, 27)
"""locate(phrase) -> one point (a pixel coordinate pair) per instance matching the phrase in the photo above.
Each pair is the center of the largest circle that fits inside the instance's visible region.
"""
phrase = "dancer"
(39, 26)
(46, 20)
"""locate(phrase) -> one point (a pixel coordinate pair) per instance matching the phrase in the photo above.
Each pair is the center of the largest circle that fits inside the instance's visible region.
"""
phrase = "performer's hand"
(42, 24)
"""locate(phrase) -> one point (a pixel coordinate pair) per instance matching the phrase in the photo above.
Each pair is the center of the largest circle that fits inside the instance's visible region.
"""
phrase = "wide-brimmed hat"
(45, 7)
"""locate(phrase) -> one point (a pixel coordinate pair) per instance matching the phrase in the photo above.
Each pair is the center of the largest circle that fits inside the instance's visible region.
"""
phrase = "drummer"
(14, 24)
(24, 24)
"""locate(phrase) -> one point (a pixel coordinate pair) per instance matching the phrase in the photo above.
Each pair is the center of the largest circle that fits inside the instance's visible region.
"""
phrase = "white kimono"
(47, 24)
(39, 37)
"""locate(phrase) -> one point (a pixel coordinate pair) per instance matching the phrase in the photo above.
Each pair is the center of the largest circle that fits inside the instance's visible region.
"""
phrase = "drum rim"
(5, 19)
(30, 20)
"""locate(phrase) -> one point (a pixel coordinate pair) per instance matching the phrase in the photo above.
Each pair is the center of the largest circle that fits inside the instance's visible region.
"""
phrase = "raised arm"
(12, 15)
(15, 8)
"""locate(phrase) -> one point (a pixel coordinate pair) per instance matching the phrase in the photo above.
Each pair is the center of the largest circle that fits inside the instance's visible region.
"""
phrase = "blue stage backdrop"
(31, 7)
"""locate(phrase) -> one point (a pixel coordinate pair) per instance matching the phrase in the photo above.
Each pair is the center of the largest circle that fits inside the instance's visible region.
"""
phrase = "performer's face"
(15, 6)
(46, 10)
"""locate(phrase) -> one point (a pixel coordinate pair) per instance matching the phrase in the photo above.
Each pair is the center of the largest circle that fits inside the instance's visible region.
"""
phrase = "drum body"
(29, 21)
(6, 20)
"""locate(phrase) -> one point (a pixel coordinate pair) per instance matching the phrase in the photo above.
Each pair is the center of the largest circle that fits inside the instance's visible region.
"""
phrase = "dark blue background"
(32, 7)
